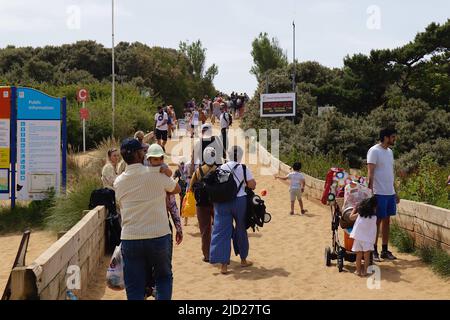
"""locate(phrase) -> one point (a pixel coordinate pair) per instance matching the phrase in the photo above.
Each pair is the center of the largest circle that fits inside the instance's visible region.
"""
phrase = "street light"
(113, 74)
(293, 76)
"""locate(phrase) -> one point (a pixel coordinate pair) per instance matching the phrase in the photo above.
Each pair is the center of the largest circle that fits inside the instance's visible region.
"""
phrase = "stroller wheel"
(340, 264)
(340, 261)
(267, 218)
(328, 257)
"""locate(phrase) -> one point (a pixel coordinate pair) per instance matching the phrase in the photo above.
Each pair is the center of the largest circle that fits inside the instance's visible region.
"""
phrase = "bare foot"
(358, 273)
(224, 269)
(246, 264)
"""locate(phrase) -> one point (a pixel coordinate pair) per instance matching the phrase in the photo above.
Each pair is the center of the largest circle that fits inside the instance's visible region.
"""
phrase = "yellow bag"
(189, 206)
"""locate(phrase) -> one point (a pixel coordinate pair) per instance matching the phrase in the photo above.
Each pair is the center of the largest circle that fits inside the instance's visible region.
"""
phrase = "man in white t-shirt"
(380, 162)
(161, 126)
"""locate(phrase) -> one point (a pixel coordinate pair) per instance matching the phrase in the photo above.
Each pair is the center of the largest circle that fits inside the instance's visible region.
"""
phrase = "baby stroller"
(342, 188)
(257, 215)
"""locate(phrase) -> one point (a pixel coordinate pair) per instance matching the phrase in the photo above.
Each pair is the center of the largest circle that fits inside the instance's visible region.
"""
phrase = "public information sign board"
(5, 144)
(38, 144)
(278, 105)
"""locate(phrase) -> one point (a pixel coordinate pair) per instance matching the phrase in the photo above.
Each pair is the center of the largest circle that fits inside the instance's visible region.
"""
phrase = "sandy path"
(289, 263)
(39, 242)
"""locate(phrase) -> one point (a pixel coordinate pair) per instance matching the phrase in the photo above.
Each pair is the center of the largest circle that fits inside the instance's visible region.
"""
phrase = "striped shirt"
(141, 193)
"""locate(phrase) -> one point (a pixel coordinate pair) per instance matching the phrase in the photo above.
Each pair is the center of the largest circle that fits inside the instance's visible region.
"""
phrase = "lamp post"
(113, 98)
(294, 72)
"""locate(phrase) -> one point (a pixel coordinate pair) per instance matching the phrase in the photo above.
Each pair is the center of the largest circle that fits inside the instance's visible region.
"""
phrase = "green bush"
(68, 209)
(437, 258)
(25, 216)
(427, 184)
(425, 253)
(134, 112)
(441, 262)
(401, 239)
(316, 166)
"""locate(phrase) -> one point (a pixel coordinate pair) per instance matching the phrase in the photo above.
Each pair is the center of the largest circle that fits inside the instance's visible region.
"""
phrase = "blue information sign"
(35, 105)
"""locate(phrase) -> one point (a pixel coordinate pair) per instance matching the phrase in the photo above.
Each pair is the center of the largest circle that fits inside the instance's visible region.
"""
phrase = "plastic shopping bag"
(189, 204)
(114, 275)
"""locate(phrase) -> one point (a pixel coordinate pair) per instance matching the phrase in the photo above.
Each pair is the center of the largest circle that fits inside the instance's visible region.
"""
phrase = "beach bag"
(114, 274)
(200, 191)
(221, 185)
(189, 204)
(113, 227)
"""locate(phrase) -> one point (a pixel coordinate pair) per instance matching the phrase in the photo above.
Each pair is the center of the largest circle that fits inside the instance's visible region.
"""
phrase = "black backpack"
(107, 197)
(200, 191)
(221, 185)
(256, 209)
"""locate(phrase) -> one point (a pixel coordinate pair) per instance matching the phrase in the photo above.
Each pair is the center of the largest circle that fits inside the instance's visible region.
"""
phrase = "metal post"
(84, 130)
(294, 85)
(13, 145)
(64, 145)
(295, 71)
(113, 74)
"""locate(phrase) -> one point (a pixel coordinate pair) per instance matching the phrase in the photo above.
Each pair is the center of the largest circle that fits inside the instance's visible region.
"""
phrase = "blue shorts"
(386, 206)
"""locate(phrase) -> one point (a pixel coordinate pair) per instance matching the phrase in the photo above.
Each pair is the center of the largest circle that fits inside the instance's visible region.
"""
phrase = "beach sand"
(9, 244)
(288, 256)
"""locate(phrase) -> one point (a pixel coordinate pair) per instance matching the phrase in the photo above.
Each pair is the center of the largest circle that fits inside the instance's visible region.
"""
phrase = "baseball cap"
(155, 151)
(131, 145)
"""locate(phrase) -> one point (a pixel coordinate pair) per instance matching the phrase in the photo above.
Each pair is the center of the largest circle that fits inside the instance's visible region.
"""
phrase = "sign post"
(40, 159)
(278, 105)
(83, 96)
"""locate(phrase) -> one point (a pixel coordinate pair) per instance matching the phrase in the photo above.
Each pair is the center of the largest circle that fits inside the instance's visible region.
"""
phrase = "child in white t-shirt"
(297, 186)
(364, 233)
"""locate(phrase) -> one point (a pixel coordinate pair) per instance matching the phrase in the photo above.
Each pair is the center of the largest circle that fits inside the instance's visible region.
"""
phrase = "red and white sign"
(82, 95)
(84, 113)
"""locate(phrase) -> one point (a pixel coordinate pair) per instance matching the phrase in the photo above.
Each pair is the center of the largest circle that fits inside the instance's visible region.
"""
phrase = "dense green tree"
(267, 55)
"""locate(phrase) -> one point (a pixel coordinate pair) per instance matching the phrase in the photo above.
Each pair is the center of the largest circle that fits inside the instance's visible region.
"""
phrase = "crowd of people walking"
(146, 188)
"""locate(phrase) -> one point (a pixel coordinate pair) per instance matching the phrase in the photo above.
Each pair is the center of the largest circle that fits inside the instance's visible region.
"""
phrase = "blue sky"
(327, 30)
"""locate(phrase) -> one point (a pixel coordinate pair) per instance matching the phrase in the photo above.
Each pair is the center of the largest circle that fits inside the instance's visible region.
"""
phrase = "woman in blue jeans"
(224, 214)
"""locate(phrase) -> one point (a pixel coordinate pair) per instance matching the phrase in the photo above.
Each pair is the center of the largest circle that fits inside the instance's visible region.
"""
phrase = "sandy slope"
(288, 256)
(289, 263)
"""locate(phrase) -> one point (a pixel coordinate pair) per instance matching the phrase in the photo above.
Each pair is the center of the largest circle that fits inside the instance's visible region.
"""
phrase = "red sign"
(82, 95)
(5, 103)
(84, 113)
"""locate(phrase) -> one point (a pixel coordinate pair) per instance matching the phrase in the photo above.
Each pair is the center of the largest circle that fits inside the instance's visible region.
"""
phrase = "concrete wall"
(82, 246)
(427, 225)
